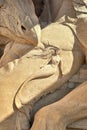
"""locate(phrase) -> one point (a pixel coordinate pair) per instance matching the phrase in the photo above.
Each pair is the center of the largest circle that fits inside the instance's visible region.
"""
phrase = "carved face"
(18, 21)
(19, 29)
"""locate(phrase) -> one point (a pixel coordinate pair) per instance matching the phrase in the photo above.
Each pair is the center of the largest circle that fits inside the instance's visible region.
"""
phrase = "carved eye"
(23, 28)
(1, 2)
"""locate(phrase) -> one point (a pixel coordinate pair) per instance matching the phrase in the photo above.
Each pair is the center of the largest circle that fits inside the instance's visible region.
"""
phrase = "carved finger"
(51, 125)
(44, 123)
(39, 124)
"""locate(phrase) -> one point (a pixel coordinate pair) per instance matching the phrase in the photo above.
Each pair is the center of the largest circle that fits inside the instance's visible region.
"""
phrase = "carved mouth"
(4, 31)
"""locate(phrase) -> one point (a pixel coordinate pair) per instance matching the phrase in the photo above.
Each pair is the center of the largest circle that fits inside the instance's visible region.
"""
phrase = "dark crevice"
(1, 52)
(39, 6)
(1, 3)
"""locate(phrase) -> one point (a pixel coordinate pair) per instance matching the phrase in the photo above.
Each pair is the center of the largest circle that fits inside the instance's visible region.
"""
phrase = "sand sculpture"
(43, 57)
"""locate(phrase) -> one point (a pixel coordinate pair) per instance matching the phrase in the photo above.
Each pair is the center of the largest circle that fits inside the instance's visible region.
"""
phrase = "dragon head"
(19, 28)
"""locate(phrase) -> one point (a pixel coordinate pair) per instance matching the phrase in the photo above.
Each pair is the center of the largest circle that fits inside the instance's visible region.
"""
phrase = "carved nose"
(29, 33)
(28, 28)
